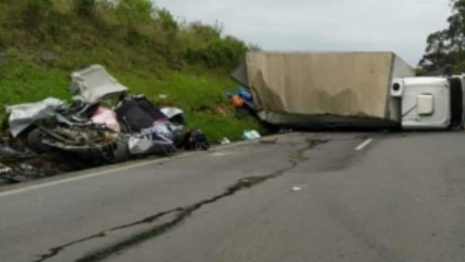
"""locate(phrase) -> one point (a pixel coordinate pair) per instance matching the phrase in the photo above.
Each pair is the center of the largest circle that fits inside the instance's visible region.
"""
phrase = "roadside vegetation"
(447, 46)
(174, 63)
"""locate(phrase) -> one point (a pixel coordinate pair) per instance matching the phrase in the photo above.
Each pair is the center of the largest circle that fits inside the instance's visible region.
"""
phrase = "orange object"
(238, 101)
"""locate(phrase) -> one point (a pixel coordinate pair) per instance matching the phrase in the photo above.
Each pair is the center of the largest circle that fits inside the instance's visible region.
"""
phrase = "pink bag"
(107, 117)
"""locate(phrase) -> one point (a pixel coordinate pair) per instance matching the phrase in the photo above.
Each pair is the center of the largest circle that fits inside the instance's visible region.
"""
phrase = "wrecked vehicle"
(92, 142)
(151, 131)
(103, 124)
(23, 116)
(317, 90)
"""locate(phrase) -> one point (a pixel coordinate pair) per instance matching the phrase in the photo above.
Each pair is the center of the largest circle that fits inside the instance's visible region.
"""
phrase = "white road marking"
(219, 154)
(74, 179)
(109, 171)
(364, 144)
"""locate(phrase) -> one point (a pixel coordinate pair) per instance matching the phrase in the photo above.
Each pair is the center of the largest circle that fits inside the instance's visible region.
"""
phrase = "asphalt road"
(309, 197)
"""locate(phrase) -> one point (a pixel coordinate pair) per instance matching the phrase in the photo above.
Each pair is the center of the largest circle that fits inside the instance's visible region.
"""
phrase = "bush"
(84, 7)
(134, 24)
(36, 10)
(135, 12)
(145, 48)
(167, 21)
(225, 52)
(206, 33)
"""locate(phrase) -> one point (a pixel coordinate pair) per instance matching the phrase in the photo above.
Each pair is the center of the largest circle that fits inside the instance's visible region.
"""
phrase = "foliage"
(217, 52)
(84, 7)
(144, 47)
(200, 96)
(134, 11)
(167, 21)
(447, 46)
(253, 48)
(36, 10)
(138, 23)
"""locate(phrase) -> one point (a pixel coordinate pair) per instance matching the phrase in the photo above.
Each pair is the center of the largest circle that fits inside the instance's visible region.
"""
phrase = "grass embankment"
(43, 41)
(201, 96)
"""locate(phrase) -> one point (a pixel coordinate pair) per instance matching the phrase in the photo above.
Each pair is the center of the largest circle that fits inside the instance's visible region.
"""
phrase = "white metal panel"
(397, 87)
(401, 69)
(425, 105)
(438, 88)
(95, 83)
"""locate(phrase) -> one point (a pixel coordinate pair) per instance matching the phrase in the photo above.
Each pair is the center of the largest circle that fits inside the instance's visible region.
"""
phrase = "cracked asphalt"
(309, 197)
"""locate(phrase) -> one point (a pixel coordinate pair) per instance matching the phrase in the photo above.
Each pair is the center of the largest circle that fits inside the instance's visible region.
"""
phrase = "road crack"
(181, 213)
(57, 250)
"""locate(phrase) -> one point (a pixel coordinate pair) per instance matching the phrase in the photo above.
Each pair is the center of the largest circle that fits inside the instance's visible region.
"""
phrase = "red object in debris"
(238, 101)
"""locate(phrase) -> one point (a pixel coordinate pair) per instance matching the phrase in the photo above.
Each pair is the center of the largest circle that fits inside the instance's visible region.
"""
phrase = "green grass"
(22, 82)
(201, 96)
(152, 55)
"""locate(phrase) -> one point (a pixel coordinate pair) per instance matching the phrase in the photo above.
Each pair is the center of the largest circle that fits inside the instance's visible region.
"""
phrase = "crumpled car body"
(23, 116)
(150, 130)
(134, 126)
(95, 83)
(175, 115)
(162, 138)
(92, 143)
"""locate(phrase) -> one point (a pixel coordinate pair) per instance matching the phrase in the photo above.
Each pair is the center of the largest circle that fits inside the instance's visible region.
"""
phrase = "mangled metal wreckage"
(94, 133)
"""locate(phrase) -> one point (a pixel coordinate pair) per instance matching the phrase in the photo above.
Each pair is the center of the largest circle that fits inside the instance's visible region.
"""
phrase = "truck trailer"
(316, 90)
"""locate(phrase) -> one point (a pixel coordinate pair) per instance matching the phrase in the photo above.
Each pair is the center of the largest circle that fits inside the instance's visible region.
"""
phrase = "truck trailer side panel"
(309, 88)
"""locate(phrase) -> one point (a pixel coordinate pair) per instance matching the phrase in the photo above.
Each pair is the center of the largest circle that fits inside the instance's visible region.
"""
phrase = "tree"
(84, 7)
(447, 46)
(37, 10)
(135, 11)
(167, 21)
(252, 47)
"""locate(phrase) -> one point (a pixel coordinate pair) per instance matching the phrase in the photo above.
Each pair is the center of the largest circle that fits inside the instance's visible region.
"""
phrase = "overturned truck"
(350, 90)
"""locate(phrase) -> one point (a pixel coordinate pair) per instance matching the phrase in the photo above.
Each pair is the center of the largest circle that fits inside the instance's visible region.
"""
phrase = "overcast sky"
(305, 25)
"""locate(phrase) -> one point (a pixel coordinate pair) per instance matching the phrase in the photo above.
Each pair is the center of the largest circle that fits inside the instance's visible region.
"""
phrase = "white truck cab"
(430, 102)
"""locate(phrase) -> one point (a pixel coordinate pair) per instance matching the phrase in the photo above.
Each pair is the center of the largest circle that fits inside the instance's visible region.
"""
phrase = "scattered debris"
(28, 170)
(95, 84)
(175, 115)
(195, 140)
(7, 174)
(162, 138)
(251, 135)
(7, 151)
(285, 130)
(4, 169)
(106, 117)
(24, 115)
(225, 141)
(238, 101)
(242, 97)
(104, 124)
(162, 96)
(298, 188)
(272, 140)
